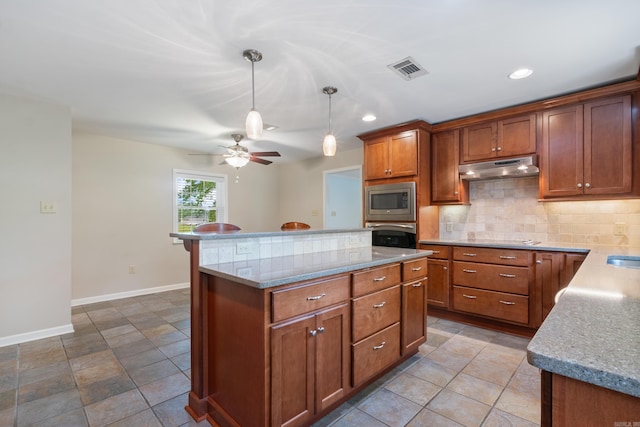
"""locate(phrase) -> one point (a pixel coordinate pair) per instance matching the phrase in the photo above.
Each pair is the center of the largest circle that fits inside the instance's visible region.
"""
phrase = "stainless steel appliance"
(397, 235)
(506, 168)
(391, 202)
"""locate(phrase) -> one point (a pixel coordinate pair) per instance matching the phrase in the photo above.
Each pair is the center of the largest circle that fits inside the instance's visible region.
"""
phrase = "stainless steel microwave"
(391, 202)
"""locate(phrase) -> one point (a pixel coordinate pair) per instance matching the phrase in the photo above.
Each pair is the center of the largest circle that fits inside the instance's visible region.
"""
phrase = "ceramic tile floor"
(127, 364)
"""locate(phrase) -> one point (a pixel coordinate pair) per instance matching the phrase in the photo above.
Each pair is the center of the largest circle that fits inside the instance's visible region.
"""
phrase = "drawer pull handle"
(379, 305)
(507, 302)
(507, 257)
(378, 347)
(321, 329)
(469, 271)
(436, 252)
(510, 276)
(469, 254)
(417, 285)
(379, 279)
(316, 298)
(416, 268)
(469, 296)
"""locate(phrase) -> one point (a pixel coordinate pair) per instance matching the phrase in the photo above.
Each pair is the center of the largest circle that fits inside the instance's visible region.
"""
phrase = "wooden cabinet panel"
(587, 149)
(375, 353)
(499, 305)
(304, 299)
(438, 283)
(414, 269)
(516, 136)
(376, 158)
(446, 185)
(479, 142)
(414, 316)
(492, 277)
(375, 311)
(577, 403)
(391, 156)
(503, 138)
(333, 356)
(375, 279)
(607, 146)
(293, 373)
(493, 255)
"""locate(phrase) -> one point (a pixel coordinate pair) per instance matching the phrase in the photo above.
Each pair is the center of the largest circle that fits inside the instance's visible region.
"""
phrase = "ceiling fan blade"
(261, 161)
(201, 154)
(266, 154)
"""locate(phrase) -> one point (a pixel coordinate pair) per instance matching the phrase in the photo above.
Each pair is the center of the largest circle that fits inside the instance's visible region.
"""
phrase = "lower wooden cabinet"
(414, 314)
(310, 365)
(554, 271)
(438, 275)
(567, 402)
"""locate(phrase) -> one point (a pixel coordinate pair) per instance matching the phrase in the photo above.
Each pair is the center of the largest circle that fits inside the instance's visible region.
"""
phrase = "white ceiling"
(171, 71)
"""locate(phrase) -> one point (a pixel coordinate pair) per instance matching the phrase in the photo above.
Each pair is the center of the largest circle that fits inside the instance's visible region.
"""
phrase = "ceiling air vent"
(408, 68)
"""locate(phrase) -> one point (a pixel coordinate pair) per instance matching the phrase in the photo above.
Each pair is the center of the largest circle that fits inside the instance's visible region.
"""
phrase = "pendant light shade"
(329, 143)
(254, 125)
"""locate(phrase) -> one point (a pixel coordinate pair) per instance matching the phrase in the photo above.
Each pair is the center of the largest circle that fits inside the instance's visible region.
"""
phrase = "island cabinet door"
(414, 315)
(310, 365)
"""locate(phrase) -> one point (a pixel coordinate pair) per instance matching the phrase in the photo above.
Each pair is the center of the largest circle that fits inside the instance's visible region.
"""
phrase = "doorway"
(342, 190)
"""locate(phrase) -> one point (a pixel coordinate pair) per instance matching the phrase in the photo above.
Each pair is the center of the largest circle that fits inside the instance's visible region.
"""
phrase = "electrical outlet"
(48, 207)
(315, 212)
(132, 269)
(243, 248)
(449, 227)
(619, 229)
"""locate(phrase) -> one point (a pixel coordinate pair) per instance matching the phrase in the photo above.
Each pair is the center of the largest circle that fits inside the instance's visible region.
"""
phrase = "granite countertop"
(241, 234)
(593, 333)
(270, 272)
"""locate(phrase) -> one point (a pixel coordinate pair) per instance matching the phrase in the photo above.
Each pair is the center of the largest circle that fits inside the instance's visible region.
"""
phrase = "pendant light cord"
(253, 87)
(329, 113)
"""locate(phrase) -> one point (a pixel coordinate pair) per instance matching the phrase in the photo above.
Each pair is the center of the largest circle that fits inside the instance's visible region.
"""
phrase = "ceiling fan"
(238, 151)
(238, 155)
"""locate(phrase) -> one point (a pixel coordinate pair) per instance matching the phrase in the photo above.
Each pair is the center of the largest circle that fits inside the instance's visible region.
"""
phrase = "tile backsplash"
(508, 209)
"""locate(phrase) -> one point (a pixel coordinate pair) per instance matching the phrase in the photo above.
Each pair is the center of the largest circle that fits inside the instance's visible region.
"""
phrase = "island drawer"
(500, 305)
(376, 311)
(310, 297)
(493, 256)
(375, 279)
(375, 353)
(439, 251)
(415, 269)
(492, 277)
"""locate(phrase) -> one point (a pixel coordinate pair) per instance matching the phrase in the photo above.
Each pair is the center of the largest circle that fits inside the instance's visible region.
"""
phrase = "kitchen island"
(286, 326)
(587, 345)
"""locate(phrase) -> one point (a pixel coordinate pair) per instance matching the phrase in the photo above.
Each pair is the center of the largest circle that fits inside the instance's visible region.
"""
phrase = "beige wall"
(122, 212)
(35, 254)
(301, 186)
(509, 209)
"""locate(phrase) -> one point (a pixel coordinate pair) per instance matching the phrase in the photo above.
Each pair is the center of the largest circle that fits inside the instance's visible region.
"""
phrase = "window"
(198, 197)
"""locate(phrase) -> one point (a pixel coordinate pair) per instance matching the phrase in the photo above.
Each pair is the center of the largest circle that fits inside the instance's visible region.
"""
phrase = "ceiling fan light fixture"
(254, 125)
(329, 143)
(237, 161)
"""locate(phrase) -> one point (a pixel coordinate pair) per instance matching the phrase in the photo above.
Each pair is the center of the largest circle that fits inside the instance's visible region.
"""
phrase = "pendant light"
(254, 119)
(329, 142)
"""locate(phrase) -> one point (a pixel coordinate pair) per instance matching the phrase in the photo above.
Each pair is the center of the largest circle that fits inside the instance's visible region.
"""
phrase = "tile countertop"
(593, 333)
(270, 272)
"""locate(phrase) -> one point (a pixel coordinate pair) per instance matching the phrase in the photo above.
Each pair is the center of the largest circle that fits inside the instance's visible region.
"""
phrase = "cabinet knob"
(493, 149)
(445, 268)
(499, 148)
(579, 185)
(587, 185)
(455, 192)
(320, 329)
(539, 261)
(313, 332)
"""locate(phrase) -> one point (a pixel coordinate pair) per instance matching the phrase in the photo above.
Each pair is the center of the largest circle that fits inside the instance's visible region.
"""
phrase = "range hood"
(507, 168)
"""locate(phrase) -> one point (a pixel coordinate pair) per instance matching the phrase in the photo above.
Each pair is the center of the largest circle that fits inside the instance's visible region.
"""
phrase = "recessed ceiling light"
(368, 118)
(270, 127)
(521, 73)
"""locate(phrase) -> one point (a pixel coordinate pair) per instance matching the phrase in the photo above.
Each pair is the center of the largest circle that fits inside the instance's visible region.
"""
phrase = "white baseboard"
(35, 335)
(128, 294)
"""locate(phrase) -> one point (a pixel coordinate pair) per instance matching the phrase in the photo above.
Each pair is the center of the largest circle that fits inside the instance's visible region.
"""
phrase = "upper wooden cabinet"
(446, 185)
(587, 149)
(503, 138)
(391, 156)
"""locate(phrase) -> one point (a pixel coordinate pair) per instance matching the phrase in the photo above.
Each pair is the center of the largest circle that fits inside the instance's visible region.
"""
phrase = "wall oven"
(391, 202)
(397, 235)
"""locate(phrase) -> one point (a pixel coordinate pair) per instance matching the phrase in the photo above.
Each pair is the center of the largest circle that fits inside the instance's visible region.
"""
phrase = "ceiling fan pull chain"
(237, 175)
